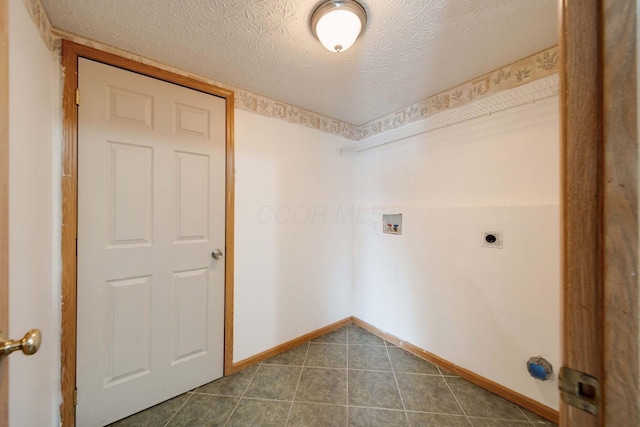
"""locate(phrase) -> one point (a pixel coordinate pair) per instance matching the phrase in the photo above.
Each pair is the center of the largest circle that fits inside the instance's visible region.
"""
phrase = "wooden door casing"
(581, 144)
(151, 191)
(70, 54)
(600, 187)
(4, 203)
(620, 213)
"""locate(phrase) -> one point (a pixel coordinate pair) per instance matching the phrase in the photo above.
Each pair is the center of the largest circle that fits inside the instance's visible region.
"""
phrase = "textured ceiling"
(410, 49)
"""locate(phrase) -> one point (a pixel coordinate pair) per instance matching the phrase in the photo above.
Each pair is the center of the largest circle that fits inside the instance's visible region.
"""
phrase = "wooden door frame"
(71, 52)
(4, 204)
(600, 205)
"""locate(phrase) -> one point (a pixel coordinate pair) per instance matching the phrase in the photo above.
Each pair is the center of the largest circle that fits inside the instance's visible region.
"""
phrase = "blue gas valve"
(539, 368)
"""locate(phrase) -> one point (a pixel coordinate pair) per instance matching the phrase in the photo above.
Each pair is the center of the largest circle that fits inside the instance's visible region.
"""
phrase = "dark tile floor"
(345, 378)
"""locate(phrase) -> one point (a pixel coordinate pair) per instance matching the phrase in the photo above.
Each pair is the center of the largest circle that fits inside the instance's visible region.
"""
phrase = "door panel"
(127, 329)
(190, 314)
(192, 196)
(129, 177)
(151, 206)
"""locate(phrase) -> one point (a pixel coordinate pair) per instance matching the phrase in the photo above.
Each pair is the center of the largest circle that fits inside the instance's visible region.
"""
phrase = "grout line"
(351, 369)
(243, 393)
(379, 408)
(178, 410)
(297, 385)
(320, 403)
(370, 370)
(355, 344)
(393, 371)
(525, 416)
(308, 366)
(325, 368)
(413, 411)
(327, 343)
(500, 419)
(245, 397)
(456, 398)
(418, 374)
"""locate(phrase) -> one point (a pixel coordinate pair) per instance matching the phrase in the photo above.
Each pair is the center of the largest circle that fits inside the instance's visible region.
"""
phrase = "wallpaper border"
(519, 73)
(43, 24)
(507, 99)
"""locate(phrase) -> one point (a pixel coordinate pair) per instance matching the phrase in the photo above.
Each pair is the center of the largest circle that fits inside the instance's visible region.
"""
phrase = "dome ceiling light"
(338, 23)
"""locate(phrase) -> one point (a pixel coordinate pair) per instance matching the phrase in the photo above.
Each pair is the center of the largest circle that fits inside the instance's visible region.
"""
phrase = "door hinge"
(580, 390)
(75, 397)
(77, 96)
(76, 246)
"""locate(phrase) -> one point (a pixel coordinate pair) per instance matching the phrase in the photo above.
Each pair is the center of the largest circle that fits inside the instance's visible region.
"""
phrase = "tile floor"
(345, 378)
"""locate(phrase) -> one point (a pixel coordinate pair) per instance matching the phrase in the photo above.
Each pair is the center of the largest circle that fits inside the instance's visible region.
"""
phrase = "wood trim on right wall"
(620, 213)
(600, 205)
(4, 203)
(581, 139)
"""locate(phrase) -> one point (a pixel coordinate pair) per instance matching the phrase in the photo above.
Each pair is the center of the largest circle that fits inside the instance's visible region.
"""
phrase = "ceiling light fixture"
(338, 23)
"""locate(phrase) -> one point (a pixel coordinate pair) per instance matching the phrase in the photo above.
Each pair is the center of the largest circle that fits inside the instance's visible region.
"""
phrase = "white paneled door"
(151, 210)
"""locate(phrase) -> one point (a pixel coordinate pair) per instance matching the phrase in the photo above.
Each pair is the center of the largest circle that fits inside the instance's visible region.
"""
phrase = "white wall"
(296, 261)
(294, 233)
(487, 310)
(294, 198)
(34, 221)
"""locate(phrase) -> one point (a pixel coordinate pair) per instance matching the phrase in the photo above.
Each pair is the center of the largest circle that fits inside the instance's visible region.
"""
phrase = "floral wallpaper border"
(244, 100)
(42, 23)
(526, 70)
(521, 72)
(530, 93)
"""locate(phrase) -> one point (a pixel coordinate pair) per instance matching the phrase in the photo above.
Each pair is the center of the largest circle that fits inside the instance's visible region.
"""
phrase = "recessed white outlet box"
(492, 239)
(392, 223)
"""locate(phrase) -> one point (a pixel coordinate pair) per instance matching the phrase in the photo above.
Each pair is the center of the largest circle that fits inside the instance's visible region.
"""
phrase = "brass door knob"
(29, 344)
